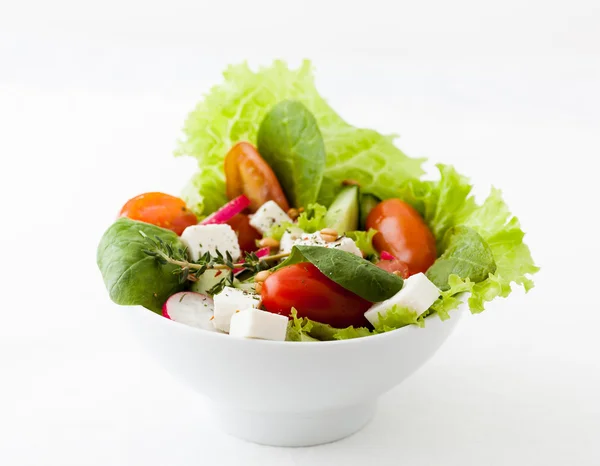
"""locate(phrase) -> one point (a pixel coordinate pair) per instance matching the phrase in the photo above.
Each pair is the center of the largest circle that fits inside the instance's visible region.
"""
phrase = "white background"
(92, 97)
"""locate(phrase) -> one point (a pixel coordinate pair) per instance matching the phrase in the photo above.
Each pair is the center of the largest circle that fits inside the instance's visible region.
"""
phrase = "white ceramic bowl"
(288, 393)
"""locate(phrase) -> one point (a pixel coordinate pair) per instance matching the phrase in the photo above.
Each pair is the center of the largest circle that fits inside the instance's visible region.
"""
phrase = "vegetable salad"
(300, 227)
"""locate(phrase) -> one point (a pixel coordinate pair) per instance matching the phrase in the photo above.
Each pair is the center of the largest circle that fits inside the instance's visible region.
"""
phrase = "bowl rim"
(456, 315)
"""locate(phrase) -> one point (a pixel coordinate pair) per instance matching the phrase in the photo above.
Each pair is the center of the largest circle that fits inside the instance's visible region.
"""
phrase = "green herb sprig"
(192, 270)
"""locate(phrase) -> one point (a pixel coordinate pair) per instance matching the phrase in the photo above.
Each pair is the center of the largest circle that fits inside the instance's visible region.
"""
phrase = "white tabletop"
(90, 106)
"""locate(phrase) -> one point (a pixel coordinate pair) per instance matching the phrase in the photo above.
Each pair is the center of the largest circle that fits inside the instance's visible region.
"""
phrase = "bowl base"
(304, 429)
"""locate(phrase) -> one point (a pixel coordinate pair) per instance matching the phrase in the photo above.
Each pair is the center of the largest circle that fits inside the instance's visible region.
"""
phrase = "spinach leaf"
(466, 254)
(349, 271)
(290, 141)
(131, 276)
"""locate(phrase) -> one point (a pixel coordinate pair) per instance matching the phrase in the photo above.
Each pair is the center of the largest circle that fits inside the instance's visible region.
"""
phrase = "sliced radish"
(189, 308)
(386, 256)
(262, 252)
(228, 211)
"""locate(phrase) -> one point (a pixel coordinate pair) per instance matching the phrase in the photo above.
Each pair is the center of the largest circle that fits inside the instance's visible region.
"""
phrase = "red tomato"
(161, 210)
(392, 266)
(313, 295)
(247, 173)
(402, 233)
(247, 235)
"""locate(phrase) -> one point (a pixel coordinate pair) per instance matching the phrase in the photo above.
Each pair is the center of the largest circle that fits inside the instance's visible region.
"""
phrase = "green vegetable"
(447, 203)
(342, 214)
(304, 329)
(313, 218)
(352, 332)
(207, 281)
(465, 254)
(131, 276)
(277, 231)
(299, 329)
(450, 299)
(349, 271)
(398, 317)
(367, 203)
(290, 142)
(364, 242)
(205, 192)
(233, 111)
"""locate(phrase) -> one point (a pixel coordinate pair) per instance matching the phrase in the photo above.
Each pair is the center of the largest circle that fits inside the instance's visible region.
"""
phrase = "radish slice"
(228, 211)
(386, 256)
(262, 252)
(189, 308)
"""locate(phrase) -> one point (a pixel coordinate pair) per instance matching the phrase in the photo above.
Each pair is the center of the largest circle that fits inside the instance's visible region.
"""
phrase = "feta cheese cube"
(315, 239)
(254, 323)
(289, 238)
(201, 239)
(267, 216)
(417, 294)
(230, 300)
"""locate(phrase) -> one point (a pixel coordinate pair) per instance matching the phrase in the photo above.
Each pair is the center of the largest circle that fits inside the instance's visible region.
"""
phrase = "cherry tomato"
(161, 210)
(392, 266)
(247, 173)
(303, 287)
(246, 234)
(403, 233)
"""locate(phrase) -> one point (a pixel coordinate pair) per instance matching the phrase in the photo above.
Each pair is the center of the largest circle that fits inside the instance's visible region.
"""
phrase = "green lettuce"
(233, 111)
(305, 329)
(313, 218)
(447, 203)
(398, 317)
(364, 242)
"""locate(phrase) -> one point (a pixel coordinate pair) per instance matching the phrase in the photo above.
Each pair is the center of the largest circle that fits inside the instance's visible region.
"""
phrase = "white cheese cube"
(315, 239)
(267, 216)
(289, 238)
(254, 323)
(201, 239)
(348, 245)
(417, 294)
(230, 300)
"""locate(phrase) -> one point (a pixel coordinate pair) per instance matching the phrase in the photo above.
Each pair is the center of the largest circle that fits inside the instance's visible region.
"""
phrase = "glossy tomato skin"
(394, 265)
(160, 209)
(303, 287)
(403, 233)
(247, 235)
(246, 172)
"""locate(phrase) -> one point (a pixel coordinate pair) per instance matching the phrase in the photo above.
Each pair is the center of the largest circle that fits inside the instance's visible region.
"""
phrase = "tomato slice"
(160, 209)
(247, 173)
(402, 233)
(247, 235)
(394, 265)
(303, 287)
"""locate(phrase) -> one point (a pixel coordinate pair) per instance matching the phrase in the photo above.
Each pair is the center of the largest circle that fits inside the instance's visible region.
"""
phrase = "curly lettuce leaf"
(204, 192)
(353, 332)
(313, 218)
(447, 203)
(451, 298)
(233, 111)
(364, 242)
(398, 317)
(277, 231)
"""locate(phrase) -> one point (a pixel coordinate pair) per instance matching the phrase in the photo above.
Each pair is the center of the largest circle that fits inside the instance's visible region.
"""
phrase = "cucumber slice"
(343, 213)
(367, 202)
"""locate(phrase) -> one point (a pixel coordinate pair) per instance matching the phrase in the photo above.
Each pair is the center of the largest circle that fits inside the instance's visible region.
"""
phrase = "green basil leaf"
(466, 254)
(349, 271)
(290, 141)
(131, 276)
